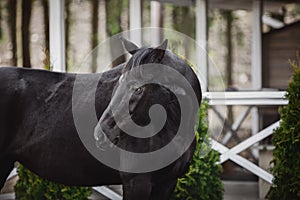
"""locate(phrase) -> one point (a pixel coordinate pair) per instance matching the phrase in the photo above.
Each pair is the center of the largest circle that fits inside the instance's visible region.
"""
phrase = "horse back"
(37, 127)
(23, 94)
(9, 89)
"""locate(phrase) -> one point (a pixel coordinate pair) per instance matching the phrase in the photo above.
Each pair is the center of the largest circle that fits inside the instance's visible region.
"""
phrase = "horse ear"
(160, 50)
(163, 45)
(129, 46)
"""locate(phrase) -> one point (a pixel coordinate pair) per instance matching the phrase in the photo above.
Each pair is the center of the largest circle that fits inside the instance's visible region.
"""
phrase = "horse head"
(141, 106)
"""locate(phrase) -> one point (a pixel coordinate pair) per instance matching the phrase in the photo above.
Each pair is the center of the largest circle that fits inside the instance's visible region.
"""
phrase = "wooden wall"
(278, 47)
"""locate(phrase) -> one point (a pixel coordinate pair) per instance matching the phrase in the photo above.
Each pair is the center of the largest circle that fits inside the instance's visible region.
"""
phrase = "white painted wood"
(156, 15)
(257, 9)
(7, 196)
(247, 102)
(57, 35)
(252, 168)
(274, 23)
(243, 162)
(246, 95)
(218, 147)
(135, 17)
(248, 142)
(107, 192)
(255, 128)
(202, 39)
(12, 174)
(246, 98)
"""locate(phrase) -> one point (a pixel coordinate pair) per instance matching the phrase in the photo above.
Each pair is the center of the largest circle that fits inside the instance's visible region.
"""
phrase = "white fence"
(250, 99)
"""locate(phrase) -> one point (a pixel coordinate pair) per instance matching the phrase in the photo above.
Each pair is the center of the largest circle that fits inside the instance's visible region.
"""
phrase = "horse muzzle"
(106, 136)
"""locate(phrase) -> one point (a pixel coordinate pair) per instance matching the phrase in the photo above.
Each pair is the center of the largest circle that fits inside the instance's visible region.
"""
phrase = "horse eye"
(138, 90)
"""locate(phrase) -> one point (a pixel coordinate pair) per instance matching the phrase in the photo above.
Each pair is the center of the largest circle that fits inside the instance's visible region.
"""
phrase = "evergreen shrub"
(286, 139)
(202, 181)
(32, 187)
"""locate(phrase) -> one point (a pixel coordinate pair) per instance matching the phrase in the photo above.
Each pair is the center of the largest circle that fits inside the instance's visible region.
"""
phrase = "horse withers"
(37, 125)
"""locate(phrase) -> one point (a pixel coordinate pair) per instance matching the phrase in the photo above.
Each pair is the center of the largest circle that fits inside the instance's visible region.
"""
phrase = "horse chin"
(100, 137)
(101, 141)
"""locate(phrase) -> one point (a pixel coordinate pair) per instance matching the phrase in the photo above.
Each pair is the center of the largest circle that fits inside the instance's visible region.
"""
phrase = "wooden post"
(135, 12)
(156, 22)
(257, 10)
(202, 38)
(57, 35)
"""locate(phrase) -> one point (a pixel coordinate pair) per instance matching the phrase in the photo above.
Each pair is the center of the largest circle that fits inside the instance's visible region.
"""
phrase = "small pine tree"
(202, 182)
(286, 170)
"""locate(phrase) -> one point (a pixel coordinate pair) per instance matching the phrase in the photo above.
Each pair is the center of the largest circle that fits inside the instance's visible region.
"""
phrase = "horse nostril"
(116, 140)
(111, 122)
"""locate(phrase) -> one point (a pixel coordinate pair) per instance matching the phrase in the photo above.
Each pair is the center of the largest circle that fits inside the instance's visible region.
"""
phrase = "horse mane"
(137, 59)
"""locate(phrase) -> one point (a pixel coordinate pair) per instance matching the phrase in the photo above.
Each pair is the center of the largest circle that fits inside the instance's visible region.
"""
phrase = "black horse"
(37, 125)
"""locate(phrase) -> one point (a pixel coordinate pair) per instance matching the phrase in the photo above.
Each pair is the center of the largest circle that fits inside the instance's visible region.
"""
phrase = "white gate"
(250, 99)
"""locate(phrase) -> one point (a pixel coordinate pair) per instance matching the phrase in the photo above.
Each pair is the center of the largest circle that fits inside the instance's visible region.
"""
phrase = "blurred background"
(24, 42)
(24, 31)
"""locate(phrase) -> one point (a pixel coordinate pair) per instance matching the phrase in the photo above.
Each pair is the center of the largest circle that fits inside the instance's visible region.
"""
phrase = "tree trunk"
(26, 15)
(229, 19)
(1, 20)
(94, 38)
(12, 28)
(113, 26)
(183, 21)
(67, 30)
(228, 34)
